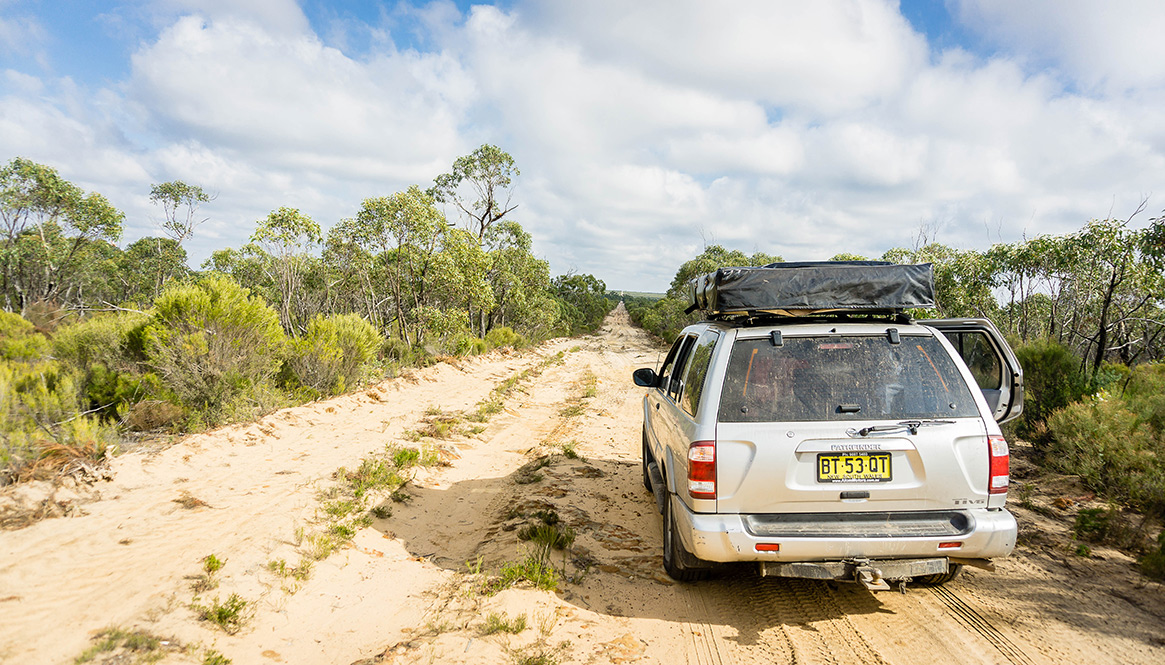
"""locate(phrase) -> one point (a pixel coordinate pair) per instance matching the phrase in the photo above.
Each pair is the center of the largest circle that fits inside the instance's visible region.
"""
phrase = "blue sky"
(643, 130)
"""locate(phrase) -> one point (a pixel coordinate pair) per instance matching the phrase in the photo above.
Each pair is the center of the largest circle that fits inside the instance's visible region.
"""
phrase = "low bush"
(113, 340)
(19, 340)
(333, 352)
(213, 343)
(504, 336)
(1114, 450)
(1052, 379)
(41, 426)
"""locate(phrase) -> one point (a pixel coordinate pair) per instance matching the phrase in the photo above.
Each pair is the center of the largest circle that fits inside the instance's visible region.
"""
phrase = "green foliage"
(1113, 450)
(548, 535)
(19, 340)
(212, 657)
(175, 196)
(500, 623)
(535, 568)
(214, 343)
(212, 564)
(583, 302)
(142, 647)
(229, 615)
(504, 336)
(333, 352)
(1153, 563)
(41, 426)
(1052, 380)
(113, 340)
(487, 172)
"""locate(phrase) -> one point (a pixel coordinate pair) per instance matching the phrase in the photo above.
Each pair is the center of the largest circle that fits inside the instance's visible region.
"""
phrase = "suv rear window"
(842, 378)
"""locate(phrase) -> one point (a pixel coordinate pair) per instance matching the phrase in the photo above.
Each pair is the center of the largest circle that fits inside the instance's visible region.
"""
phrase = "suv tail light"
(702, 470)
(1000, 463)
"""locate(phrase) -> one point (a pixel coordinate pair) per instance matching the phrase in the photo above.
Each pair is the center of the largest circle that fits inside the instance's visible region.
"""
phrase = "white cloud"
(1113, 45)
(643, 130)
(824, 56)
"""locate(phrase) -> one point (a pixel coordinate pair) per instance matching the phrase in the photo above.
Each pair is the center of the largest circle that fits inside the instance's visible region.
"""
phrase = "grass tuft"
(230, 615)
(500, 623)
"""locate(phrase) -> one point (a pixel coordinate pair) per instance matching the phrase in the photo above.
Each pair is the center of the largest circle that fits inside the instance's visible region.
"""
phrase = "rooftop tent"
(814, 287)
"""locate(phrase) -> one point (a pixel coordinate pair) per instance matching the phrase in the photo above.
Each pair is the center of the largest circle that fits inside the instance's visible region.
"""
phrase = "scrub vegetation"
(98, 341)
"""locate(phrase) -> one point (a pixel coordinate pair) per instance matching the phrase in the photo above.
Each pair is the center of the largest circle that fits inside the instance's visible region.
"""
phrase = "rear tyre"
(646, 461)
(678, 563)
(941, 578)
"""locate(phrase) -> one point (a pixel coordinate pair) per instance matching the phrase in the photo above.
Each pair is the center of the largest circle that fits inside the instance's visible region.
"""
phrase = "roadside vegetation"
(1085, 316)
(99, 342)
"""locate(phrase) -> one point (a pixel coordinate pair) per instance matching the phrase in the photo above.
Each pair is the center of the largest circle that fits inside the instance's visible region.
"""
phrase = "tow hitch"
(875, 575)
(869, 576)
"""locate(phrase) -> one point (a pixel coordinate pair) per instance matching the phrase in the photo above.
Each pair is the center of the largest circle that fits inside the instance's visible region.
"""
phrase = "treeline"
(96, 339)
(1085, 315)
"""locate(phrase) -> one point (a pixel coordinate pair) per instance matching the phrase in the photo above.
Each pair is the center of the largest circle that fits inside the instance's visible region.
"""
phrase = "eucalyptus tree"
(713, 257)
(357, 277)
(405, 231)
(519, 280)
(287, 238)
(48, 226)
(147, 265)
(180, 202)
(487, 173)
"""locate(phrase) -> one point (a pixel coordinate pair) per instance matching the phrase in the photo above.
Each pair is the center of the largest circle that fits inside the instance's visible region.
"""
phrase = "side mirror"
(645, 377)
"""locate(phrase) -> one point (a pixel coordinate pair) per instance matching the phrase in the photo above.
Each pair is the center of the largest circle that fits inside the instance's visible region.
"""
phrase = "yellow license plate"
(853, 468)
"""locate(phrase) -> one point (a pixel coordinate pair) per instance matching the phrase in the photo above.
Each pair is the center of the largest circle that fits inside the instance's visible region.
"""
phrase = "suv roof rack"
(813, 289)
(759, 318)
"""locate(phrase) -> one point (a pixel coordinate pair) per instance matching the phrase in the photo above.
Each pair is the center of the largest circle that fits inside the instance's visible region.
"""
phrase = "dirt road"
(414, 586)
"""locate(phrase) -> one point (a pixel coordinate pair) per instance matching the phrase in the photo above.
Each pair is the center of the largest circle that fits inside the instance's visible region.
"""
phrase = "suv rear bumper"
(986, 534)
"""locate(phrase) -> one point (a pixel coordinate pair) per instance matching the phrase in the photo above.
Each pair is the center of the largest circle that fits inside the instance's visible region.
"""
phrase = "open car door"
(990, 360)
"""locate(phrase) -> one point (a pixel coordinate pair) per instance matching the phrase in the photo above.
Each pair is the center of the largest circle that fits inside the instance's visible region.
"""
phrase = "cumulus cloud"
(1114, 45)
(823, 56)
(643, 130)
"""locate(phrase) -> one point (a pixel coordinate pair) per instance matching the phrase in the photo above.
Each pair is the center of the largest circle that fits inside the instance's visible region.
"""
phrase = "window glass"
(842, 378)
(677, 386)
(701, 356)
(669, 374)
(980, 357)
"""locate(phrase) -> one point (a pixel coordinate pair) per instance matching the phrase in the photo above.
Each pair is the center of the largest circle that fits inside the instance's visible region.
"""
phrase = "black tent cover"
(814, 286)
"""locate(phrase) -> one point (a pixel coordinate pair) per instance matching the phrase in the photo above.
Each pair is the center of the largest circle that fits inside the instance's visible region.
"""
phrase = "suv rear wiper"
(909, 425)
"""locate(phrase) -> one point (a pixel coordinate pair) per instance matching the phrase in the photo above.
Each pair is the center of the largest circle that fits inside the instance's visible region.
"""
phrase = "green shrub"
(1153, 563)
(114, 341)
(40, 426)
(19, 339)
(462, 344)
(1144, 391)
(1052, 379)
(395, 348)
(213, 343)
(1113, 450)
(504, 337)
(333, 351)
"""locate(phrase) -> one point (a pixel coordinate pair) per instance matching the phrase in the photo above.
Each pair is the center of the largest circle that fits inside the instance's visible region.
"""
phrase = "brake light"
(702, 470)
(1000, 464)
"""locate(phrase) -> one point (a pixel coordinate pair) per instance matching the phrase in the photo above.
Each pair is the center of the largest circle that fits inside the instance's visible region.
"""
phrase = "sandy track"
(402, 593)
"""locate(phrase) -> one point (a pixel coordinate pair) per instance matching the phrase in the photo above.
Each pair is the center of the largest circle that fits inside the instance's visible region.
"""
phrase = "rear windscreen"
(842, 378)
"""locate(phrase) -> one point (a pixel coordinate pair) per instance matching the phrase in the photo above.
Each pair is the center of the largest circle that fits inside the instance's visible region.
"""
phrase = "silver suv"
(860, 446)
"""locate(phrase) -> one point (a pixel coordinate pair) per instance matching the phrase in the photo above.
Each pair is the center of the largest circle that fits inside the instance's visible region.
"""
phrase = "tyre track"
(977, 623)
(706, 644)
(794, 621)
